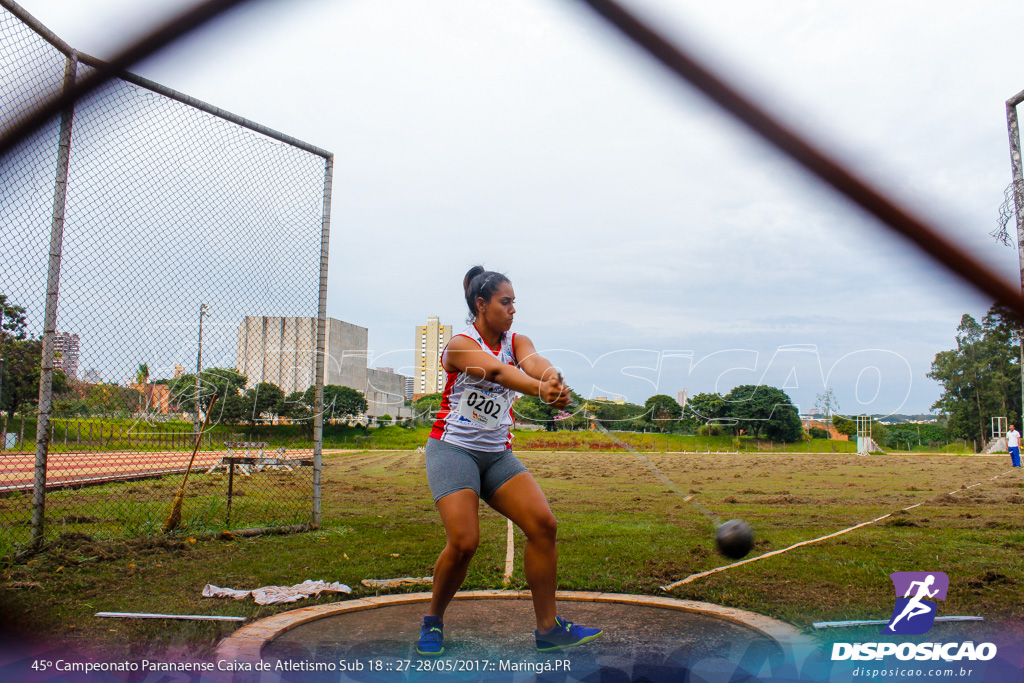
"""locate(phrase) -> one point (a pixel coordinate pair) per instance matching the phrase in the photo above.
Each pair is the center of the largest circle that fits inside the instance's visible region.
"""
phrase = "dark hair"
(480, 283)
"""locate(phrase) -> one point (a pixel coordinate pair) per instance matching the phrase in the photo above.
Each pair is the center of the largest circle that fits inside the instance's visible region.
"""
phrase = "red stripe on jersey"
(446, 407)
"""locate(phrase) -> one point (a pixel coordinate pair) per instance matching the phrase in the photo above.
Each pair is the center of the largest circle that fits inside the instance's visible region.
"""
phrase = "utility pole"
(204, 310)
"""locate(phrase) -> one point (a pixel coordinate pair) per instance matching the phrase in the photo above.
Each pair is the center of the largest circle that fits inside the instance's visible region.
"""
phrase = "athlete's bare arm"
(465, 355)
(532, 363)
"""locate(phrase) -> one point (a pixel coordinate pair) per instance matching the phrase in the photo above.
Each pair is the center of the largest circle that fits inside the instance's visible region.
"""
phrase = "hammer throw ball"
(734, 539)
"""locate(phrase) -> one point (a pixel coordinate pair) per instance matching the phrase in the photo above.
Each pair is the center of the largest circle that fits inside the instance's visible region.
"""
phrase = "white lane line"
(510, 551)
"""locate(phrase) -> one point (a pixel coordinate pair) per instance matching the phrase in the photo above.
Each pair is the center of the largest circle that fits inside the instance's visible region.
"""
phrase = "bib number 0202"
(482, 407)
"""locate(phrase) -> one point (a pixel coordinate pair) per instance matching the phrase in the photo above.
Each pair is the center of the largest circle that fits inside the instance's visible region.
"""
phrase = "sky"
(652, 242)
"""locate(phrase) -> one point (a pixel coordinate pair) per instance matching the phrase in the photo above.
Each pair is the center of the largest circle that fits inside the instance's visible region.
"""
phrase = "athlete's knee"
(542, 528)
(463, 545)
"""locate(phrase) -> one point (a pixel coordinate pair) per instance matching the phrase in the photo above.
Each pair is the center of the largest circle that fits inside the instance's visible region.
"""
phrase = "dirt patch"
(989, 578)
(900, 521)
(782, 500)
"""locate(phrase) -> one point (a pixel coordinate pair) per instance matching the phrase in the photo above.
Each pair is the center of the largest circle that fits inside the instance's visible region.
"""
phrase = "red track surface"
(64, 469)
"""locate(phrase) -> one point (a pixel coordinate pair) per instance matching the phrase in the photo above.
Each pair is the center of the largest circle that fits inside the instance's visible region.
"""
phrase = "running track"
(68, 469)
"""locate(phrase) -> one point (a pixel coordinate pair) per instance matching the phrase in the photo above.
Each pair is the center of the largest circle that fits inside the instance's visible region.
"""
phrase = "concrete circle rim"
(247, 643)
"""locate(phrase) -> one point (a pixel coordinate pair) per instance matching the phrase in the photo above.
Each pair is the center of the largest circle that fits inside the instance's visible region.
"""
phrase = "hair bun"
(472, 273)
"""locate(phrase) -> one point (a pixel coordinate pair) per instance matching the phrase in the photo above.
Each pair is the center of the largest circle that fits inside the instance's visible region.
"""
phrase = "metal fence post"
(50, 315)
(321, 343)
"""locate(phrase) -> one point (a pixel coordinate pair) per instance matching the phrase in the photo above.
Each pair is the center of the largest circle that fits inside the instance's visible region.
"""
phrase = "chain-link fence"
(147, 237)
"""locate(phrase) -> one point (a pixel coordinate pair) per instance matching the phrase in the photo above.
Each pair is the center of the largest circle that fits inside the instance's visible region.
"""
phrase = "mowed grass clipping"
(620, 530)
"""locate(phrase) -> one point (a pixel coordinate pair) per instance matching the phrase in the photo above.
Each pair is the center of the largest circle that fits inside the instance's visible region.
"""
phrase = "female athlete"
(469, 457)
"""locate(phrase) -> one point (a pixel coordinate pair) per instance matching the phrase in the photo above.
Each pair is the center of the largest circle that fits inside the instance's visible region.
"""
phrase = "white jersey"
(476, 413)
(1013, 439)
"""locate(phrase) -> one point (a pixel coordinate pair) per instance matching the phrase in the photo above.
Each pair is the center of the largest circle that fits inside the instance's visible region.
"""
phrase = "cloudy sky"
(653, 243)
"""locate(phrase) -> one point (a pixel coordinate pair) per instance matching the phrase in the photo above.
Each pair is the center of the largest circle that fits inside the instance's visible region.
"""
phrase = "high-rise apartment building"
(430, 342)
(65, 347)
(682, 397)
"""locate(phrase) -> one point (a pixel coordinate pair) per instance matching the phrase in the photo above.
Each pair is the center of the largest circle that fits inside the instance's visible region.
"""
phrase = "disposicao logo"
(914, 613)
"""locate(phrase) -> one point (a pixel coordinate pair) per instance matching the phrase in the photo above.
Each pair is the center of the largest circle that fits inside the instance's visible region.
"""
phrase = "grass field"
(620, 531)
(113, 435)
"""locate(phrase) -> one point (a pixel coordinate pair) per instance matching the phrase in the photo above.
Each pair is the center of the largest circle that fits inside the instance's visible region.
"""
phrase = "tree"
(980, 378)
(111, 400)
(827, 405)
(12, 320)
(662, 411)
(426, 407)
(21, 360)
(225, 382)
(614, 415)
(14, 385)
(294, 407)
(818, 433)
(142, 381)
(262, 399)
(764, 411)
(532, 409)
(845, 426)
(700, 410)
(232, 409)
(340, 402)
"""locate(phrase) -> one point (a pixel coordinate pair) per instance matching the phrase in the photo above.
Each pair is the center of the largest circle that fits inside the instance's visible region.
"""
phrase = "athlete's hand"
(554, 392)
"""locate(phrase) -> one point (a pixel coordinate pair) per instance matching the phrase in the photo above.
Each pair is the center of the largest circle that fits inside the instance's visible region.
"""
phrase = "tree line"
(981, 377)
(760, 411)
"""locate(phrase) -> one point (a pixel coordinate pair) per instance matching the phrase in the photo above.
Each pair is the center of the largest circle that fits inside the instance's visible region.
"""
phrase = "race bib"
(483, 408)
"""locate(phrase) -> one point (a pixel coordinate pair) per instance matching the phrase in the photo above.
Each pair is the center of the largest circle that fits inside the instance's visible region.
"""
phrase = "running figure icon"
(915, 607)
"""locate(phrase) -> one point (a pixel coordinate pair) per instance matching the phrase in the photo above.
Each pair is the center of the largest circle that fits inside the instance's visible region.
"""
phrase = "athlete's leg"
(460, 514)
(521, 500)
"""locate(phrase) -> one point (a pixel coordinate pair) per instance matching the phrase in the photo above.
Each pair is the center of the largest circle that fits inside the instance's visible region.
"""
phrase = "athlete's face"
(499, 311)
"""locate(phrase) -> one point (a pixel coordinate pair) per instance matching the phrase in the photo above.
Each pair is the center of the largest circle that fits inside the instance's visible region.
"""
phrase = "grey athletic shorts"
(451, 468)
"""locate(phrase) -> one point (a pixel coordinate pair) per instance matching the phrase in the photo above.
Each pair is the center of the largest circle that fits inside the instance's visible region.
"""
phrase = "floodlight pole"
(1018, 203)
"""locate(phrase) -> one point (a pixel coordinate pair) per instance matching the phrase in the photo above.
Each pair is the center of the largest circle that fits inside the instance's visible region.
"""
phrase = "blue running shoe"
(565, 634)
(431, 642)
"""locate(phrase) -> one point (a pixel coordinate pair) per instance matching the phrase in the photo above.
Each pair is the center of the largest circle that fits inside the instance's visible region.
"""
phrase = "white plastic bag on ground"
(275, 595)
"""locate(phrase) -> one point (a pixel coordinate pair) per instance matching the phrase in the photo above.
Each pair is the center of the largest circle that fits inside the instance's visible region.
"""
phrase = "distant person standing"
(1013, 445)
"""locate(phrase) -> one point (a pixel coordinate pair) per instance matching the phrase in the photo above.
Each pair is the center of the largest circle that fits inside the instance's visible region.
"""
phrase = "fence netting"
(178, 225)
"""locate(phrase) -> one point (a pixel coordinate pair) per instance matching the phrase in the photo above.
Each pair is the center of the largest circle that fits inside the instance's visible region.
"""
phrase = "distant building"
(65, 347)
(385, 394)
(178, 371)
(428, 377)
(833, 433)
(92, 376)
(282, 351)
(157, 397)
(409, 384)
(384, 369)
(682, 397)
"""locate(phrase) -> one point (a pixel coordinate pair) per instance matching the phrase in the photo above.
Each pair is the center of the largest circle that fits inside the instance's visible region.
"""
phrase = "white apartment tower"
(65, 347)
(430, 342)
